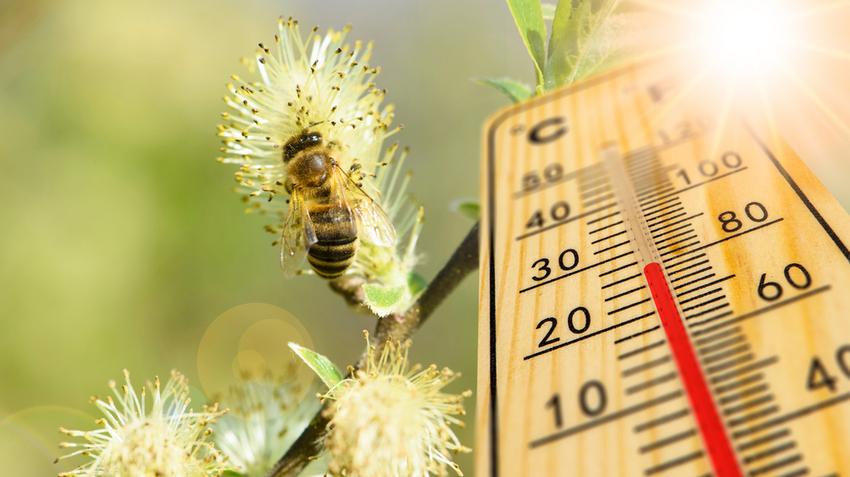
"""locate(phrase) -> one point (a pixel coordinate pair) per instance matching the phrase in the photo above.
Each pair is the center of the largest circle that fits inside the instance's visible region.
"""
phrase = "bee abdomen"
(330, 259)
(336, 241)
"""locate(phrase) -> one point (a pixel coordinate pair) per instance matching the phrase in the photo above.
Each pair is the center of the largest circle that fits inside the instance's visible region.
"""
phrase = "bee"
(328, 211)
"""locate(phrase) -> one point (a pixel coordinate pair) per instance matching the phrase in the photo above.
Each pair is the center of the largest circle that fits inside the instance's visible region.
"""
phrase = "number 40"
(819, 376)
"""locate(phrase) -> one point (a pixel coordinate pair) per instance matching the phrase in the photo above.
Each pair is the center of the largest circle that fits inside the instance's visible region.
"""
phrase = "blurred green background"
(122, 239)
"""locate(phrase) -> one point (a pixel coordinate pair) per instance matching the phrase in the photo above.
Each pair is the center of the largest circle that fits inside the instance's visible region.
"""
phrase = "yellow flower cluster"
(392, 419)
(322, 84)
(143, 435)
(265, 415)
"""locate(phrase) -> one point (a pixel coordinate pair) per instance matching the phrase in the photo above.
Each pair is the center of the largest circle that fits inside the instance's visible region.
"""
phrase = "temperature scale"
(660, 294)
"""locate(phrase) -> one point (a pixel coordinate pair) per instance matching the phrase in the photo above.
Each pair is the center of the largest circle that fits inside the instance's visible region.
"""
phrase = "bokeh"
(122, 242)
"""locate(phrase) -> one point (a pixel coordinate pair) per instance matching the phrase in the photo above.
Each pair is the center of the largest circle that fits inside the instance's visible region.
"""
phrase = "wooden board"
(662, 293)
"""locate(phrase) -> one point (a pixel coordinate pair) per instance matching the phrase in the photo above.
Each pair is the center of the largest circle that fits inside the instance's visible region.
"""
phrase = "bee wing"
(297, 237)
(372, 222)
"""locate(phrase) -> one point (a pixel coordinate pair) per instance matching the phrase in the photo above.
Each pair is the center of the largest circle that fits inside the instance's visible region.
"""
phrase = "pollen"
(266, 414)
(394, 419)
(149, 432)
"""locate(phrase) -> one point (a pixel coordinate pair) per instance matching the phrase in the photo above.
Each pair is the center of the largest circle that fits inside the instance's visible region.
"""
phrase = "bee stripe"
(329, 269)
(334, 234)
(326, 275)
(329, 214)
(341, 259)
(334, 252)
(333, 225)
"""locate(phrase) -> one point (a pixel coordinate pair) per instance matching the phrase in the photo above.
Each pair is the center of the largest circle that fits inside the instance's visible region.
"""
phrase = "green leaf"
(582, 40)
(321, 365)
(528, 16)
(232, 473)
(383, 300)
(513, 89)
(416, 283)
(470, 208)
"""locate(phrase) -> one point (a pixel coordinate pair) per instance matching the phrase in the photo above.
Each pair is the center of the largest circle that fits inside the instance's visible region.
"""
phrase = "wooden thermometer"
(660, 295)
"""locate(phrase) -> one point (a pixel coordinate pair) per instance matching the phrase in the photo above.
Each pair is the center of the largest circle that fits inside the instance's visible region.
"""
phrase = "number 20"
(578, 321)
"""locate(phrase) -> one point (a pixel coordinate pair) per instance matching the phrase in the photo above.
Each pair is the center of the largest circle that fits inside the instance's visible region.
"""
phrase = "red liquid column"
(711, 428)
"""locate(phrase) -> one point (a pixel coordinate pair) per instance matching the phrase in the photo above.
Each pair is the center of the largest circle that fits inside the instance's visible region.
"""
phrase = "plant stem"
(463, 261)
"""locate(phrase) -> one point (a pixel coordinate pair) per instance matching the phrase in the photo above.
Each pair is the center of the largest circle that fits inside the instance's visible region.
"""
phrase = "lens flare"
(744, 40)
(780, 64)
(250, 339)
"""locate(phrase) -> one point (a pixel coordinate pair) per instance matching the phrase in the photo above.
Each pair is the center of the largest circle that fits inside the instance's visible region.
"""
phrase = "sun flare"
(782, 63)
(744, 40)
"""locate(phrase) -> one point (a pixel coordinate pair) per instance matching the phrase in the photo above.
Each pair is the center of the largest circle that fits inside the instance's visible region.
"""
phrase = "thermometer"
(661, 293)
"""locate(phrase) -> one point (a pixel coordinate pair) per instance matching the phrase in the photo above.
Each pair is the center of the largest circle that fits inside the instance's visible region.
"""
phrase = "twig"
(463, 261)
(350, 288)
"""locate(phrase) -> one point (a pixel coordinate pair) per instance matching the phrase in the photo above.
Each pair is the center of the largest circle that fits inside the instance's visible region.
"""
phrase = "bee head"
(299, 143)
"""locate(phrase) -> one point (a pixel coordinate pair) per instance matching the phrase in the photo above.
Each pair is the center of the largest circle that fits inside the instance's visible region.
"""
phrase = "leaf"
(383, 300)
(470, 208)
(528, 16)
(232, 473)
(416, 283)
(321, 365)
(581, 41)
(515, 90)
(613, 39)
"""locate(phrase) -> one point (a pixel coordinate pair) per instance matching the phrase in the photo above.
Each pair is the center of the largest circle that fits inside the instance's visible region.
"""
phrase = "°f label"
(662, 293)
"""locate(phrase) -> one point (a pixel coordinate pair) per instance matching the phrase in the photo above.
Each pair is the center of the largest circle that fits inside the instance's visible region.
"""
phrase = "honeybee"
(328, 210)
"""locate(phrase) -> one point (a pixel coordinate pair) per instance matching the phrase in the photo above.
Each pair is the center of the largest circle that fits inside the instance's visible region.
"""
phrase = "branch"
(463, 261)
(398, 327)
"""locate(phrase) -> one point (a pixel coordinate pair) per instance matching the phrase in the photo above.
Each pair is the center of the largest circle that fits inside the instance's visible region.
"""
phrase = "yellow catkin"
(324, 84)
(392, 419)
(147, 433)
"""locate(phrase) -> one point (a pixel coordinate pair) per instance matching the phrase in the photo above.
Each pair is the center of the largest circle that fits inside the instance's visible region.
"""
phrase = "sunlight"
(744, 40)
